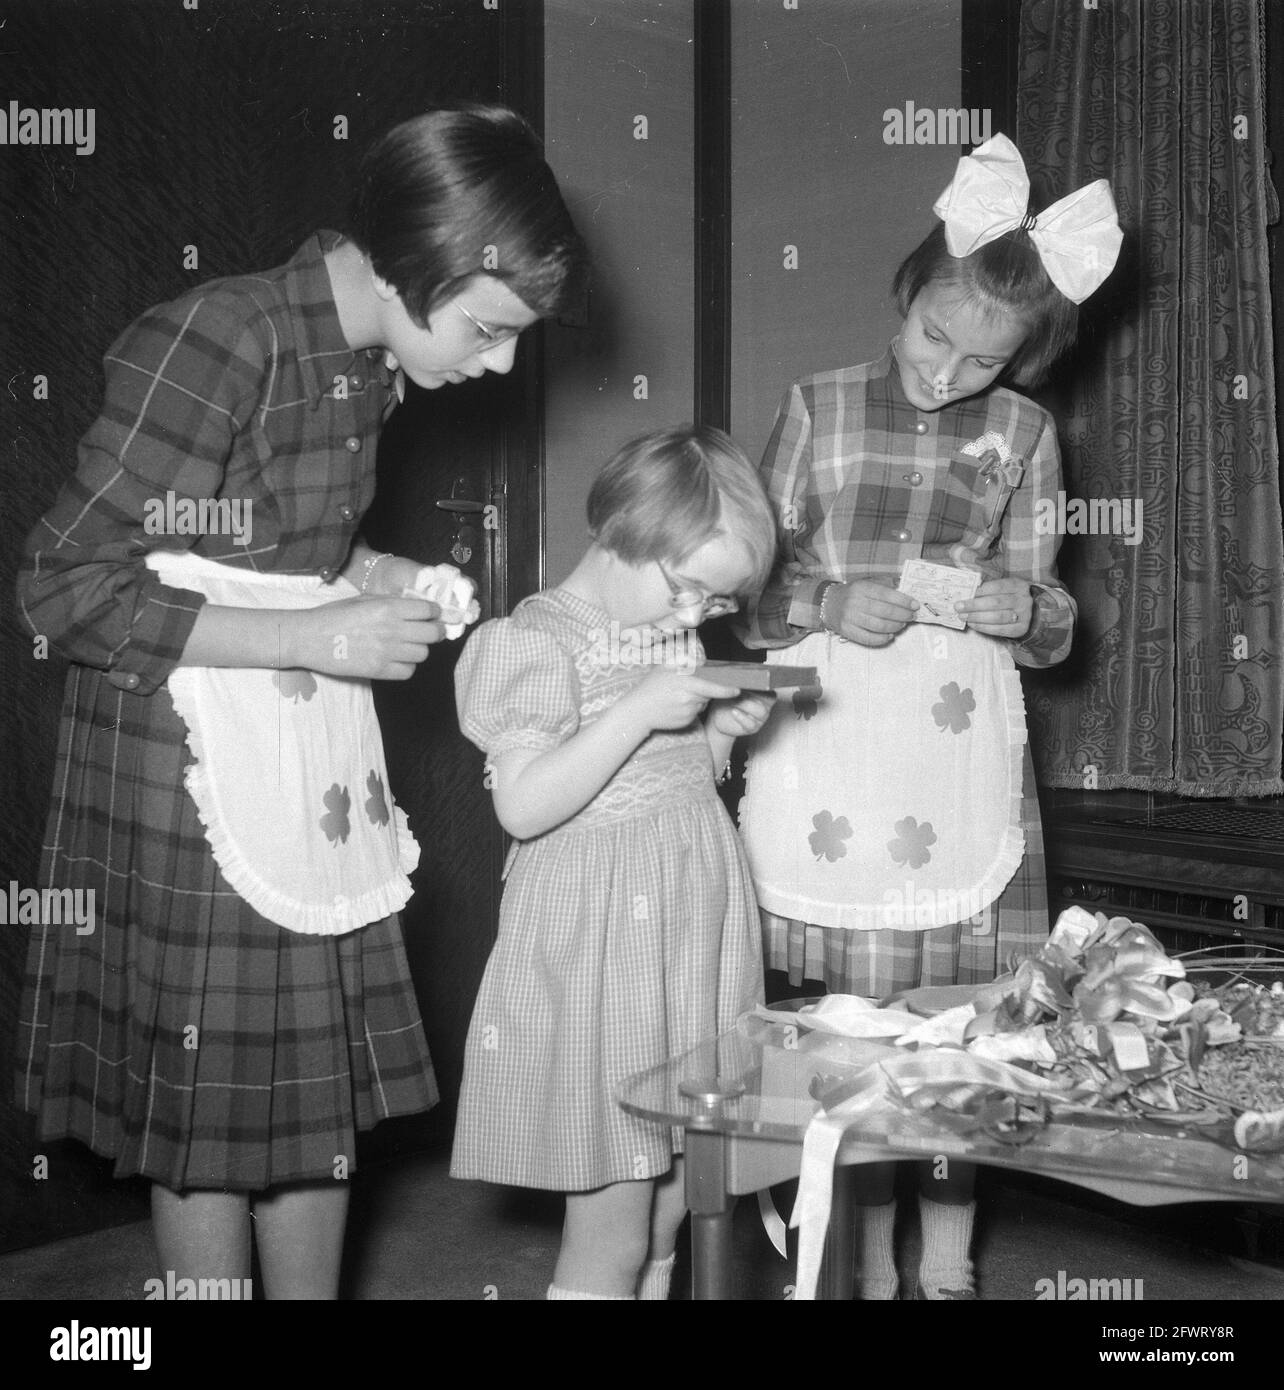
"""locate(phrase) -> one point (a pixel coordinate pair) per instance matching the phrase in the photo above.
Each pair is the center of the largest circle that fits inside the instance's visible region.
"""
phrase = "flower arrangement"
(1112, 1024)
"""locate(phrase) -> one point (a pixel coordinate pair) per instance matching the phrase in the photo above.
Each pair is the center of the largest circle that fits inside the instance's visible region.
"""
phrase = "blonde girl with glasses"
(628, 929)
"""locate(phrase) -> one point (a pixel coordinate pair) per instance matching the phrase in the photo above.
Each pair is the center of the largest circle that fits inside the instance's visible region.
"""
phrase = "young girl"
(893, 826)
(628, 930)
(243, 1005)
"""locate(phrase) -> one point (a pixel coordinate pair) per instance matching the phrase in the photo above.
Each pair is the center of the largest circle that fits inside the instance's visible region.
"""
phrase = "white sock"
(878, 1279)
(946, 1270)
(554, 1293)
(653, 1283)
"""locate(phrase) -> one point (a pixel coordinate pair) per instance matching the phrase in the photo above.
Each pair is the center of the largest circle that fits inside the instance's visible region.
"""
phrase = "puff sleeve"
(516, 686)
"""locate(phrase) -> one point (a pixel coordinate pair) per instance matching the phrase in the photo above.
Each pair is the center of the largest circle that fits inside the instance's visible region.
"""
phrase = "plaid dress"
(862, 481)
(188, 1038)
(627, 934)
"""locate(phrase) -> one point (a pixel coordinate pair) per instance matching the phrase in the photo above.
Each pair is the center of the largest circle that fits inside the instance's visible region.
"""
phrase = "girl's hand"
(868, 612)
(366, 638)
(670, 699)
(999, 608)
(742, 717)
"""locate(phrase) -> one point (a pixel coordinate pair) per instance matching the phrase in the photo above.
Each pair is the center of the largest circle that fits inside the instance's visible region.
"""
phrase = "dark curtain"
(1176, 683)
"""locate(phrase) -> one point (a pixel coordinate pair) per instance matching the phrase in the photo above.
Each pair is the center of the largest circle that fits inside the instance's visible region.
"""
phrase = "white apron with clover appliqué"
(289, 777)
(894, 801)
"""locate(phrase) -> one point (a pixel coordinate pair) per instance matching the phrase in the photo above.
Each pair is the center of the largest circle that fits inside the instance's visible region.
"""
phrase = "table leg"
(711, 1211)
(836, 1267)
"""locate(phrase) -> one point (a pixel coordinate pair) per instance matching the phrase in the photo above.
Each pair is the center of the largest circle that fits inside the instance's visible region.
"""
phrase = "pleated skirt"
(188, 1038)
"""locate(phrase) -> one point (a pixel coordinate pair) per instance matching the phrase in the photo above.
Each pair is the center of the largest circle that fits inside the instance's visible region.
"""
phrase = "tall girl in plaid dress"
(893, 825)
(628, 929)
(243, 1005)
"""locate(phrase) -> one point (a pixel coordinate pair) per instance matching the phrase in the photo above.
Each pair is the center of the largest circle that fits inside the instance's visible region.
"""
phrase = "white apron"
(895, 800)
(289, 778)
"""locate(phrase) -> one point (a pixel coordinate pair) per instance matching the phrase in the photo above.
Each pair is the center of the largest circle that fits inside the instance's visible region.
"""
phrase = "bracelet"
(829, 586)
(368, 566)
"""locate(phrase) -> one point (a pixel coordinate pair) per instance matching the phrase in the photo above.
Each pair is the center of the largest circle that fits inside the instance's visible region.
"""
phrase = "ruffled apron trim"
(901, 905)
(281, 857)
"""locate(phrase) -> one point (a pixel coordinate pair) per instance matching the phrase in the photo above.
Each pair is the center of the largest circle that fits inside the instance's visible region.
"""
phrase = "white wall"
(606, 64)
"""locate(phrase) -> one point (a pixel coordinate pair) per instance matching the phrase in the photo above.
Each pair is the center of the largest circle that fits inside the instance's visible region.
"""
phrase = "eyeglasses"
(710, 605)
(492, 336)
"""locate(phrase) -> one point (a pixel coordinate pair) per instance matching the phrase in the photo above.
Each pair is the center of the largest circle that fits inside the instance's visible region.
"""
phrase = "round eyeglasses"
(710, 605)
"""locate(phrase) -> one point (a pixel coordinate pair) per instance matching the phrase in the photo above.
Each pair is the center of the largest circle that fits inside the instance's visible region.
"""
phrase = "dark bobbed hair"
(1004, 276)
(665, 494)
(462, 191)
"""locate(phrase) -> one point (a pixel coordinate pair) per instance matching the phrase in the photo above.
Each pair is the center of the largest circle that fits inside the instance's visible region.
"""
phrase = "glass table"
(744, 1104)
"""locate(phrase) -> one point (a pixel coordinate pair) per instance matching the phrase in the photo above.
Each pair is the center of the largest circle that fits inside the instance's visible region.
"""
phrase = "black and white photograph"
(643, 659)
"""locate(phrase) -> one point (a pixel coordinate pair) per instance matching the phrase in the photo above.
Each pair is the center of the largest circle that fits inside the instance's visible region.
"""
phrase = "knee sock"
(877, 1279)
(555, 1293)
(946, 1269)
(653, 1284)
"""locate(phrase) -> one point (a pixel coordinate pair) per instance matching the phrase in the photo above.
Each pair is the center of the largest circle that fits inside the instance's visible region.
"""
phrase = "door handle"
(457, 502)
(461, 508)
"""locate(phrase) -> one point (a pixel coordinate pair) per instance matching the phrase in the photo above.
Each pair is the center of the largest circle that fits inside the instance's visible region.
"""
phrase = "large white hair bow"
(1077, 238)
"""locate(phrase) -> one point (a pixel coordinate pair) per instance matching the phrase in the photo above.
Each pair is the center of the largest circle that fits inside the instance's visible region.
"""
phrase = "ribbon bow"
(1077, 238)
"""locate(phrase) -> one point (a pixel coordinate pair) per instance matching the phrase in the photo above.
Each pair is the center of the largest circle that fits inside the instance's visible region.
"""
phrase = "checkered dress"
(627, 934)
(188, 1038)
(861, 481)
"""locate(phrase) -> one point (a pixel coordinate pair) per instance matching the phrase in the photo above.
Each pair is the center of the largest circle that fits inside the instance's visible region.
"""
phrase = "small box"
(757, 675)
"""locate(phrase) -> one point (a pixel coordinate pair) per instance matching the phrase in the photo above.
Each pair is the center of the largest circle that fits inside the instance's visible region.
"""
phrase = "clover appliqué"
(376, 802)
(295, 684)
(827, 838)
(910, 847)
(335, 822)
(954, 709)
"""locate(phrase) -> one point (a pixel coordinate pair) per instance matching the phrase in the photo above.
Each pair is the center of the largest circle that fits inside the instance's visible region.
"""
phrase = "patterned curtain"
(1168, 409)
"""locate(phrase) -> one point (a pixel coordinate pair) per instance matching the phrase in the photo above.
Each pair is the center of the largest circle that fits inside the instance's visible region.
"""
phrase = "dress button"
(352, 444)
(902, 535)
(124, 680)
(326, 574)
(912, 478)
(357, 382)
(920, 426)
(346, 512)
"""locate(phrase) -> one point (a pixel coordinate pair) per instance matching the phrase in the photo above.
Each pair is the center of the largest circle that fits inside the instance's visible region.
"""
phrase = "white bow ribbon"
(1077, 238)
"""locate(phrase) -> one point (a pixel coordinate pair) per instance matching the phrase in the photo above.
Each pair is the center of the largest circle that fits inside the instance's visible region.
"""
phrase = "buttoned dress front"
(862, 481)
(189, 1038)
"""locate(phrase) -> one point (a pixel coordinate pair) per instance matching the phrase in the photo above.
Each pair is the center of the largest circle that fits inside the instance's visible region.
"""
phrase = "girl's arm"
(1028, 552)
(787, 608)
(365, 638)
(181, 383)
(536, 791)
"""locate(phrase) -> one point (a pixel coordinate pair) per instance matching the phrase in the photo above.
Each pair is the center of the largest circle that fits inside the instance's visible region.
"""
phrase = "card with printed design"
(938, 588)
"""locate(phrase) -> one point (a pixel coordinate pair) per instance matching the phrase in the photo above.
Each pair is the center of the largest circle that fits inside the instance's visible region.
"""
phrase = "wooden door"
(475, 444)
(233, 128)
